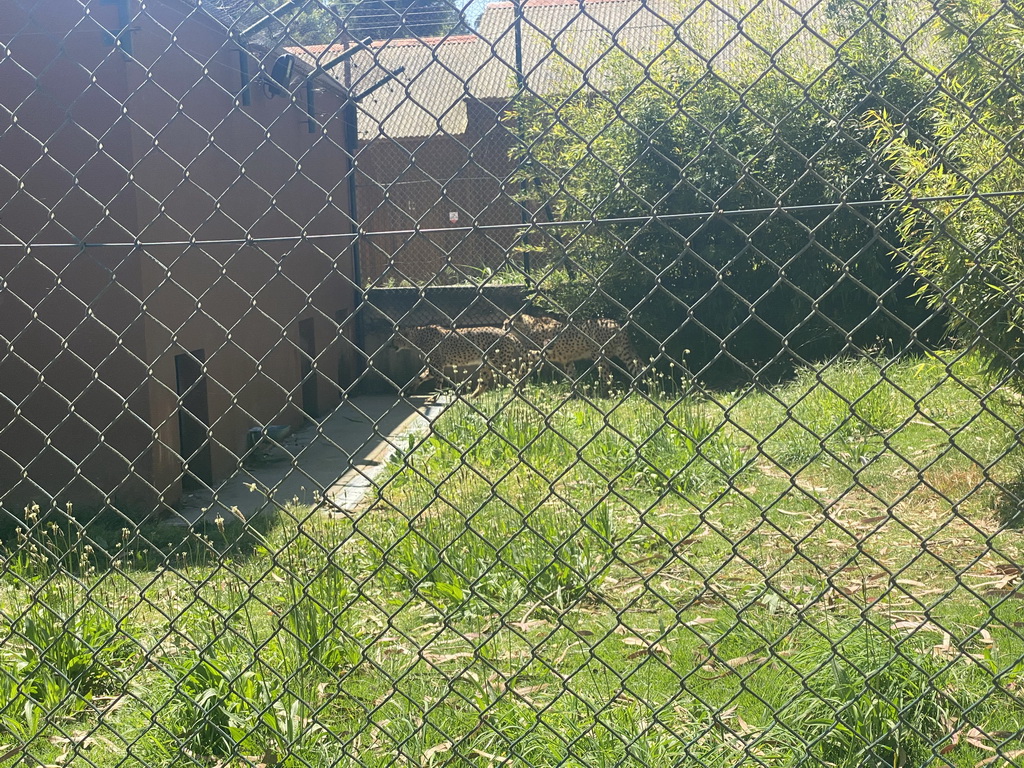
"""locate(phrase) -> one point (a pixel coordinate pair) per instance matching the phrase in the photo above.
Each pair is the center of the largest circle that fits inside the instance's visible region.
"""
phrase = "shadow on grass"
(1010, 502)
(44, 542)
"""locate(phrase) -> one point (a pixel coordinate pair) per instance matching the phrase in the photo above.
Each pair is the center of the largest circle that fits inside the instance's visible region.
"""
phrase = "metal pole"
(351, 128)
(517, 28)
(517, 22)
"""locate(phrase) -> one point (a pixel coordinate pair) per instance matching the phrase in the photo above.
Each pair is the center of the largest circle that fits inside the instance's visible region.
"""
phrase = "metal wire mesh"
(541, 383)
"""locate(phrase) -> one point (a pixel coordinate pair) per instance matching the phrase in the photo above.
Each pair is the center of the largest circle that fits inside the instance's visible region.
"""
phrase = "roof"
(223, 14)
(335, 48)
(564, 43)
(535, 3)
(427, 98)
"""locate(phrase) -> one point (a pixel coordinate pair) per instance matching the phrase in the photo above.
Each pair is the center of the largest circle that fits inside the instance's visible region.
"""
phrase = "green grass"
(813, 575)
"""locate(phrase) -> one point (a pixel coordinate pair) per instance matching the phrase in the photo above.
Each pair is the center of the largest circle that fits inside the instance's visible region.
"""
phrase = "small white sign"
(453, 217)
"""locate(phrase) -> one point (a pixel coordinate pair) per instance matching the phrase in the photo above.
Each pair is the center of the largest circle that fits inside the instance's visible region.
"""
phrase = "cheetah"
(481, 350)
(563, 343)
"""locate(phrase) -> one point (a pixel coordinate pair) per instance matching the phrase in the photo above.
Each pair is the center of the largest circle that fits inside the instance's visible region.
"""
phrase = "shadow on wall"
(460, 306)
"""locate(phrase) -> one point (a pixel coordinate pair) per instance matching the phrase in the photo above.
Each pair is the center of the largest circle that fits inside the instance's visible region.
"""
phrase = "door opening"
(193, 420)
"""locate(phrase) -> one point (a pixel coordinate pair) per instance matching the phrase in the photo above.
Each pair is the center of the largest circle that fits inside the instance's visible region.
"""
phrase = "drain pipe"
(349, 119)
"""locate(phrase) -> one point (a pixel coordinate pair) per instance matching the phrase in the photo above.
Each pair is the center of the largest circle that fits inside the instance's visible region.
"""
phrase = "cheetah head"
(405, 338)
(530, 323)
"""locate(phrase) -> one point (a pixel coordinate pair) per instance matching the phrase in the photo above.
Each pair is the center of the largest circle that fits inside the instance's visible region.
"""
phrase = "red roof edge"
(315, 50)
(537, 3)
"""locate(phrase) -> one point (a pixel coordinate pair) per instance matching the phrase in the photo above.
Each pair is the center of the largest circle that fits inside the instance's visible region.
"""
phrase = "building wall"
(204, 179)
(65, 311)
(468, 174)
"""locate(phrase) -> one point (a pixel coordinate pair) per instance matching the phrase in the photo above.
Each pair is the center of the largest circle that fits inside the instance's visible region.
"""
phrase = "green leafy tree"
(713, 196)
(962, 223)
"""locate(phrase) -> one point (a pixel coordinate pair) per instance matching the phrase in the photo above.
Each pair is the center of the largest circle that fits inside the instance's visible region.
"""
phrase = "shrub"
(961, 223)
(691, 184)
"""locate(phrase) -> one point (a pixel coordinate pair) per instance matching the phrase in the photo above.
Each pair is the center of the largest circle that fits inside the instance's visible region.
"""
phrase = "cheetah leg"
(529, 364)
(429, 372)
(632, 360)
(570, 374)
(604, 375)
(485, 380)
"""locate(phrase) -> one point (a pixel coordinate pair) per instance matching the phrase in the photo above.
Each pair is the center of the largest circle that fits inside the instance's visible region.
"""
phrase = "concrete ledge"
(330, 464)
(352, 492)
(460, 306)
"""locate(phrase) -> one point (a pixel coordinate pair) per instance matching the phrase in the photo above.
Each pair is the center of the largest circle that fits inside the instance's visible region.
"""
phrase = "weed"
(687, 452)
(870, 704)
(314, 619)
(237, 700)
(64, 645)
(767, 577)
(64, 642)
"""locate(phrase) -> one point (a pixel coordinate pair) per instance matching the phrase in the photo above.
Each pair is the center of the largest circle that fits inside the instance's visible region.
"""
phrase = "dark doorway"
(307, 347)
(193, 420)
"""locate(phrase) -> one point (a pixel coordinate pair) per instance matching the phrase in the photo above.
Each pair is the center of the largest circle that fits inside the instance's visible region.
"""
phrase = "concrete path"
(334, 462)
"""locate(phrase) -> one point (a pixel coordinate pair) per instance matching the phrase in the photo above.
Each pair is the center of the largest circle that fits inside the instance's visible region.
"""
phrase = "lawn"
(823, 573)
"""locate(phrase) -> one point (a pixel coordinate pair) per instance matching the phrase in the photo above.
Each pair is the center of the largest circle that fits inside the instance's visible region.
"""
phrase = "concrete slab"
(333, 462)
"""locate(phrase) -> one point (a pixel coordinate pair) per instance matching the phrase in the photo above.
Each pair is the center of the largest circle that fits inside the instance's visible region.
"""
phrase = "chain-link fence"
(534, 383)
